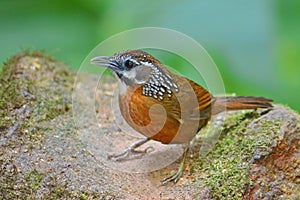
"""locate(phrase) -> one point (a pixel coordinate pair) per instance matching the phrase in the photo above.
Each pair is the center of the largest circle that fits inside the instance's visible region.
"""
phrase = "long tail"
(239, 103)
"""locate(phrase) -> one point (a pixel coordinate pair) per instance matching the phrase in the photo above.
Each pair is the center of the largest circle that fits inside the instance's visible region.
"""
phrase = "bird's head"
(131, 66)
(136, 67)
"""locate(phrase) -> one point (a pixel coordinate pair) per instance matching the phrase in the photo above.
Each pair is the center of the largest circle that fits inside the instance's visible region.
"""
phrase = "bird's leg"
(175, 176)
(131, 150)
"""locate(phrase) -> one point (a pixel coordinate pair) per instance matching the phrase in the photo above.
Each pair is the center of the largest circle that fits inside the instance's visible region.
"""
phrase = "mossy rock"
(34, 89)
(255, 157)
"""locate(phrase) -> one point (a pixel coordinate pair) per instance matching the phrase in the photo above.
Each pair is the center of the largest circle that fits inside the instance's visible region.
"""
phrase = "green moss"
(34, 89)
(39, 83)
(35, 183)
(225, 169)
(33, 179)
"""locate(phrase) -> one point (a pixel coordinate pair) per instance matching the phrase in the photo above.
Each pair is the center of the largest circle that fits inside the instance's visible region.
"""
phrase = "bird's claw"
(129, 152)
(173, 178)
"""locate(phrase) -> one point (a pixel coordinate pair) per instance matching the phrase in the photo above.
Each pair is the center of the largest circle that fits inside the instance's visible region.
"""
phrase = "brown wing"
(190, 90)
(190, 107)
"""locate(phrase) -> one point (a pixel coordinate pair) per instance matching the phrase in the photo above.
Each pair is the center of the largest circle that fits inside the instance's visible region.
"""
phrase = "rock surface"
(43, 154)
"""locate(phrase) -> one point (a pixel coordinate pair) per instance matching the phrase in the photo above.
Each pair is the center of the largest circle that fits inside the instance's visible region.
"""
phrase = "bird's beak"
(105, 61)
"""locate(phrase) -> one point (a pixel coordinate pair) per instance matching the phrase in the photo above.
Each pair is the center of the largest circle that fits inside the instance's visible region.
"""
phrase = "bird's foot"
(129, 152)
(174, 177)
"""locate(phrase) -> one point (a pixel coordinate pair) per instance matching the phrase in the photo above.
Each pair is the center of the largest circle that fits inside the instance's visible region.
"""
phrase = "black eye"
(129, 64)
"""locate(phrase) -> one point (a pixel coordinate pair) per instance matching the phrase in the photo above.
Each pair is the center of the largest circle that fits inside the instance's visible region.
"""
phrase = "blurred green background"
(255, 44)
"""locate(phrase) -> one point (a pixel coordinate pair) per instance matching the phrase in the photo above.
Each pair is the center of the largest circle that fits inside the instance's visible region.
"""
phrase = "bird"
(164, 106)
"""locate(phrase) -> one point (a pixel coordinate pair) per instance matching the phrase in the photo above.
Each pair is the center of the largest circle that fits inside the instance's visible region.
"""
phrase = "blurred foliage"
(255, 44)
